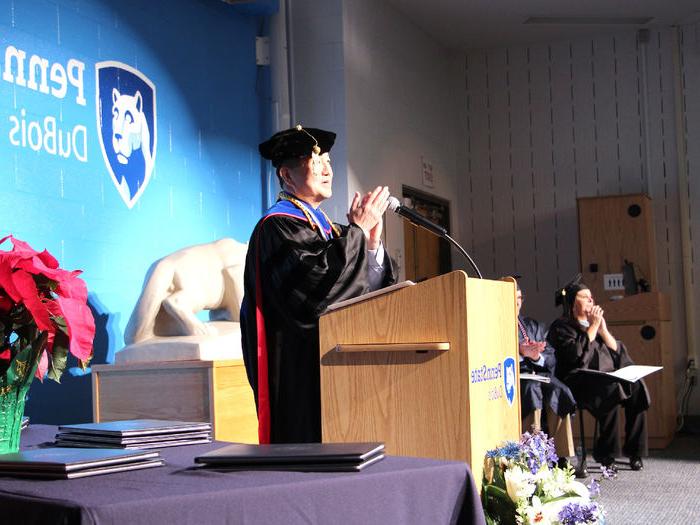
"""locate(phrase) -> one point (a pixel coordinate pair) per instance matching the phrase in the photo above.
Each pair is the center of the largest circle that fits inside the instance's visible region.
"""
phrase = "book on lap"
(68, 463)
(631, 373)
(312, 457)
(534, 377)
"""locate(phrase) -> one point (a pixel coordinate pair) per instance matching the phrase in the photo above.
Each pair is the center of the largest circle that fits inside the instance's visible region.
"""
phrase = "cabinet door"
(613, 230)
(649, 344)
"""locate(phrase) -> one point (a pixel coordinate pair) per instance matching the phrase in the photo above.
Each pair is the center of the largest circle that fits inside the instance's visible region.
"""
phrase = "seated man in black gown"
(537, 357)
(298, 263)
(582, 341)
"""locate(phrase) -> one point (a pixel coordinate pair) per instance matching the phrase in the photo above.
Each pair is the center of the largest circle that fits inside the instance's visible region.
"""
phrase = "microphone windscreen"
(393, 203)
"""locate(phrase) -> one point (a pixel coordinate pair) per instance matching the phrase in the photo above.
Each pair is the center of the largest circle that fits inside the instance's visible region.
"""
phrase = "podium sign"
(430, 370)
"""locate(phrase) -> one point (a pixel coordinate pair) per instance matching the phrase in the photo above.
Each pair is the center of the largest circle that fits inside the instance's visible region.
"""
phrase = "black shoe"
(636, 463)
(607, 462)
(563, 463)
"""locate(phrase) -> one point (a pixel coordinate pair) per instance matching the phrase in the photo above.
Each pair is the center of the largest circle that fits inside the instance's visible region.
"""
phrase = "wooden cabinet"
(614, 230)
(214, 391)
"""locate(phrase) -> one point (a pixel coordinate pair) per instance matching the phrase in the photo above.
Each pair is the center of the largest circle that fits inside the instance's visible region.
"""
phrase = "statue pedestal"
(214, 391)
(224, 345)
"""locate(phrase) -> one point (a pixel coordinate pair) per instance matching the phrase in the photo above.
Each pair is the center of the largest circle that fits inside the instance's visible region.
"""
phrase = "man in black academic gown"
(582, 341)
(298, 263)
(554, 398)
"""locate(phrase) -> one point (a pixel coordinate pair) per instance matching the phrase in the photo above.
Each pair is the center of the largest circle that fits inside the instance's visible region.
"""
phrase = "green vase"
(11, 412)
(13, 393)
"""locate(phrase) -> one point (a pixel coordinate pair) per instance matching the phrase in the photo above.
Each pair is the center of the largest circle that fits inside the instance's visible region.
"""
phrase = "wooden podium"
(430, 369)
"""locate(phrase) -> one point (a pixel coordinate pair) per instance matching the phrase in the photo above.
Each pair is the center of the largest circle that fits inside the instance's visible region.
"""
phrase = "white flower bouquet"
(523, 485)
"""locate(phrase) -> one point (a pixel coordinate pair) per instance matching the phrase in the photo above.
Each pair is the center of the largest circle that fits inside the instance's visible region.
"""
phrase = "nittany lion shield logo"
(126, 123)
(509, 378)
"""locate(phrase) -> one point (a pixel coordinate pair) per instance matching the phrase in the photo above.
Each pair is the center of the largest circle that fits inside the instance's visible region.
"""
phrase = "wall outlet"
(613, 281)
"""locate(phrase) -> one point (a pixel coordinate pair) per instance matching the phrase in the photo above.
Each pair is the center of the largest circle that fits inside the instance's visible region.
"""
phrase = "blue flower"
(510, 450)
(577, 513)
(608, 472)
(537, 450)
(492, 453)
(594, 489)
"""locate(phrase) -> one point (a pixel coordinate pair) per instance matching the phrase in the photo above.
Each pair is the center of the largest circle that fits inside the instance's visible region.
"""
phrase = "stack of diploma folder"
(133, 434)
(304, 457)
(69, 463)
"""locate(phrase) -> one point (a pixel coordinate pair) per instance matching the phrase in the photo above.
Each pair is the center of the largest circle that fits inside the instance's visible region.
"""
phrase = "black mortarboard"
(296, 142)
(516, 277)
(567, 295)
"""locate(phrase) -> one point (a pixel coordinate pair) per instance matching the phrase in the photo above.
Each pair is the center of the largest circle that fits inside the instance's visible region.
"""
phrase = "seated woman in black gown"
(581, 340)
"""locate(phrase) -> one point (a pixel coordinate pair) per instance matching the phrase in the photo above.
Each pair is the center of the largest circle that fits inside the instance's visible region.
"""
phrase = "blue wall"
(206, 180)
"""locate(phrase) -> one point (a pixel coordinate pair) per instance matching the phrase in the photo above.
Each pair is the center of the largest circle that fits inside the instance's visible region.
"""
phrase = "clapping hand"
(366, 212)
(531, 349)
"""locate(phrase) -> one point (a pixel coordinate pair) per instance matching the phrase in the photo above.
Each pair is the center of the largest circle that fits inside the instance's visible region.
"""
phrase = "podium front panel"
(422, 403)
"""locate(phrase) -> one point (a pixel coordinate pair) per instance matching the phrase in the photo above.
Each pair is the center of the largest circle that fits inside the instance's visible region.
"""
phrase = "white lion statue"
(178, 286)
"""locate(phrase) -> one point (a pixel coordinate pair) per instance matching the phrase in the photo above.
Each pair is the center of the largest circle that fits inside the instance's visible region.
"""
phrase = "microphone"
(415, 217)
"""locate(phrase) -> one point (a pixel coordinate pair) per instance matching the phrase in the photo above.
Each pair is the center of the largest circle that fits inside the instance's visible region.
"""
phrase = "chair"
(581, 470)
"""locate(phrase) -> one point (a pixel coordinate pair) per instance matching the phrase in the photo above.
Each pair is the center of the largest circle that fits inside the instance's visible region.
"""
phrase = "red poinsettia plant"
(44, 308)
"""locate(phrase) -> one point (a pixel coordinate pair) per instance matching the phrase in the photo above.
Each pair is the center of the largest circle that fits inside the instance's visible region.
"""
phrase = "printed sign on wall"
(125, 103)
(29, 129)
(126, 124)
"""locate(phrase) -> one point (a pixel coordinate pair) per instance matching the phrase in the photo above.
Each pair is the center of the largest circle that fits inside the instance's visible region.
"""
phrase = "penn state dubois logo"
(509, 379)
(126, 123)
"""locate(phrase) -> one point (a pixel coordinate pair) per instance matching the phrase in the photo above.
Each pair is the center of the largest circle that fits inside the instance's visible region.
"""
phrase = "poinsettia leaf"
(42, 367)
(30, 296)
(72, 286)
(36, 266)
(58, 361)
(21, 248)
(61, 325)
(28, 259)
(48, 259)
(81, 326)
(44, 306)
(6, 304)
(6, 282)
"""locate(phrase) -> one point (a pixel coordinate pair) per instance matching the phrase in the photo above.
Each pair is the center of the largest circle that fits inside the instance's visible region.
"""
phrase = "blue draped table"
(396, 490)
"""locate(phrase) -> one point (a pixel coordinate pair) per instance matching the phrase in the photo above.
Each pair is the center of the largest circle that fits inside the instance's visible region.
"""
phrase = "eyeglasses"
(318, 161)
